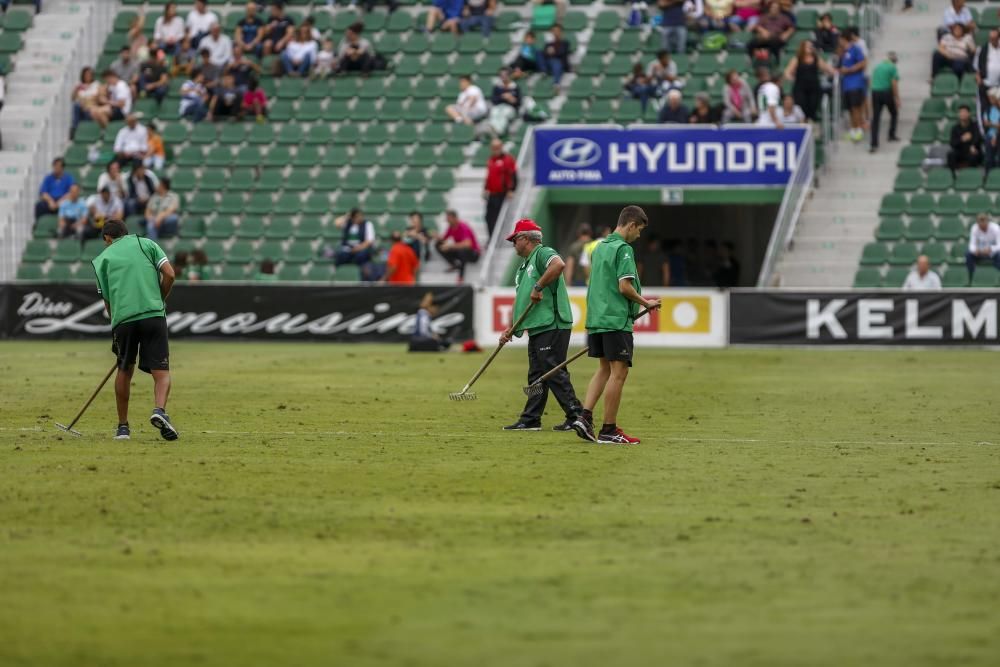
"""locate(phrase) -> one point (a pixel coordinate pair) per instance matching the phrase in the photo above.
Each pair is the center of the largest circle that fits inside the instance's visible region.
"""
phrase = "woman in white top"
(300, 54)
(114, 180)
(199, 21)
(790, 111)
(471, 107)
(169, 30)
(86, 97)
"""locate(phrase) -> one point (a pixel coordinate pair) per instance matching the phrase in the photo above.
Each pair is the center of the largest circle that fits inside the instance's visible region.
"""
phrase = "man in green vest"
(539, 280)
(134, 277)
(614, 298)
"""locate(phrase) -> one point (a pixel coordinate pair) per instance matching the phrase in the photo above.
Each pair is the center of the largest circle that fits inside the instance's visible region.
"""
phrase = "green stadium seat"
(890, 229)
(867, 278)
(192, 228)
(67, 251)
(241, 179)
(290, 273)
(908, 180)
(260, 203)
(933, 109)
(895, 276)
(269, 249)
(309, 228)
(240, 252)
(950, 229)
(945, 85)
(968, 180)
(977, 202)
(318, 203)
(955, 278)
(903, 253)
(298, 180)
(261, 134)
(319, 134)
(957, 253)
(985, 277)
(939, 180)
(271, 179)
(911, 156)
(919, 229)
(30, 272)
(287, 204)
(921, 203)
(46, 227)
(874, 254)
(280, 228)
(992, 181)
(949, 204)
(37, 250)
(893, 204)
(278, 156)
(10, 42)
(220, 228)
(937, 253)
(299, 252)
(319, 272)
(231, 203)
(233, 272)
(60, 273)
(347, 273)
(203, 133)
(250, 228)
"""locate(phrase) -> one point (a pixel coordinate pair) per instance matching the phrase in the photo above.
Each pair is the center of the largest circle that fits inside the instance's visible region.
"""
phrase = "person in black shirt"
(506, 91)
(226, 100)
(673, 111)
(704, 113)
(242, 68)
(555, 55)
(966, 142)
(153, 78)
(250, 32)
(280, 30)
(827, 35)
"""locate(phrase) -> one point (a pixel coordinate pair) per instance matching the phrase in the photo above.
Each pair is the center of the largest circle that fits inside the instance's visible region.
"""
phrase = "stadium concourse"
(276, 190)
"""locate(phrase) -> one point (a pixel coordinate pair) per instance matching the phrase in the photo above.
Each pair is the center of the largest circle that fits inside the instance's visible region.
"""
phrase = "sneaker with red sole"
(619, 437)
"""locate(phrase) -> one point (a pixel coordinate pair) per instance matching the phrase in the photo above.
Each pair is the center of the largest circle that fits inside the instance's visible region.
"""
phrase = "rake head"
(462, 396)
(63, 427)
(534, 389)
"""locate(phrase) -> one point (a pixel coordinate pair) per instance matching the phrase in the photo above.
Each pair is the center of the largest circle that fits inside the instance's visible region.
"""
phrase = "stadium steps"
(843, 210)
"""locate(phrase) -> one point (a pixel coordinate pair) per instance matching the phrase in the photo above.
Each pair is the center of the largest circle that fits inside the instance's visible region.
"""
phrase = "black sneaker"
(584, 428)
(123, 433)
(521, 426)
(566, 425)
(160, 420)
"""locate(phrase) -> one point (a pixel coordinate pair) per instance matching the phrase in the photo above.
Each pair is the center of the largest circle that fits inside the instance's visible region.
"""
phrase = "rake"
(70, 429)
(538, 386)
(465, 395)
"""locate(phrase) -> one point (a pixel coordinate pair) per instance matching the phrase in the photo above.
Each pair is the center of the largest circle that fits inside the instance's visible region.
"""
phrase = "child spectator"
(184, 59)
(326, 60)
(157, 155)
(827, 35)
(640, 86)
(255, 101)
(194, 97)
(527, 57)
(265, 274)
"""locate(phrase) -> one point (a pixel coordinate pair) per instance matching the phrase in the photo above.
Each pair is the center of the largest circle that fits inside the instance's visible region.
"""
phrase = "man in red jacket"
(501, 181)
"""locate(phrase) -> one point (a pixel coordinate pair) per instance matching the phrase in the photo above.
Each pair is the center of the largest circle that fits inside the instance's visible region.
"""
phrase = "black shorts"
(145, 339)
(854, 98)
(611, 345)
(117, 113)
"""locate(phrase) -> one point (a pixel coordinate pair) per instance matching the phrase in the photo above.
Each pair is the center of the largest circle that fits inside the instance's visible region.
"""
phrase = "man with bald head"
(501, 181)
(922, 279)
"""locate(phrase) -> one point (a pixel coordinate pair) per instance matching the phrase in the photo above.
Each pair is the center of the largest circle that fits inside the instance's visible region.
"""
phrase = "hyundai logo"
(575, 153)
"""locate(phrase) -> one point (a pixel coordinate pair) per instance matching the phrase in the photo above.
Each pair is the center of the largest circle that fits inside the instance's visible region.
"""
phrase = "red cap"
(523, 226)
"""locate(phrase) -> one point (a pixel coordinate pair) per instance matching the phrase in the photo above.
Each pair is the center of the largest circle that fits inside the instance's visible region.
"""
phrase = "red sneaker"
(619, 437)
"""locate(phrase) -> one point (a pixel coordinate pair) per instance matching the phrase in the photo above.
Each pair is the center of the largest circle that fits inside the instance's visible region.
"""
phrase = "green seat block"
(309, 229)
(278, 156)
(241, 252)
(890, 229)
(271, 179)
(874, 254)
(299, 252)
(250, 228)
(955, 278)
(234, 272)
(945, 85)
(939, 180)
(921, 203)
(937, 253)
(280, 228)
(320, 273)
(46, 227)
(37, 251)
(67, 250)
(924, 132)
(949, 204)
(908, 180)
(911, 156)
(30, 272)
(260, 203)
(269, 249)
(288, 204)
(919, 229)
(903, 253)
(867, 278)
(220, 228)
(895, 276)
(985, 276)
(968, 180)
(347, 273)
(978, 202)
(950, 229)
(203, 133)
(60, 273)
(317, 203)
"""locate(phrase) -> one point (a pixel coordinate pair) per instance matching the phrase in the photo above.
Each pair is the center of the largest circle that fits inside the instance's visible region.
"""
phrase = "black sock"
(609, 428)
(587, 414)
(123, 424)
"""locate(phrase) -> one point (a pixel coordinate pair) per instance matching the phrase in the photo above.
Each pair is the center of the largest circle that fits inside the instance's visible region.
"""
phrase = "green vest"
(128, 277)
(607, 310)
(553, 311)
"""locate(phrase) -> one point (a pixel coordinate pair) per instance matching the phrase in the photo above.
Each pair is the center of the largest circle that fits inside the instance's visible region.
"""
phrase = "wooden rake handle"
(489, 360)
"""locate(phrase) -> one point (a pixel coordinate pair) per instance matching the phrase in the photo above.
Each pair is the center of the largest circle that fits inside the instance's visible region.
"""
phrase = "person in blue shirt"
(423, 338)
(991, 121)
(527, 57)
(54, 188)
(72, 213)
(853, 82)
(446, 14)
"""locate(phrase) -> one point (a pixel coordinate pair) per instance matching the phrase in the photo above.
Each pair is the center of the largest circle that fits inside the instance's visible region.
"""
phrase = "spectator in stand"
(965, 142)
(141, 187)
(54, 189)
(987, 66)
(194, 97)
(662, 72)
(300, 54)
(326, 60)
(198, 268)
(804, 70)
(506, 99)
(921, 278)
(417, 236)
(160, 219)
(555, 55)
(651, 261)
(255, 101)
(370, 5)
(501, 181)
(727, 272)
(132, 141)
(991, 123)
(100, 208)
(640, 87)
(265, 274)
(528, 57)
(746, 14)
(402, 264)
(424, 339)
(72, 211)
(458, 244)
(791, 113)
(957, 14)
(157, 151)
(470, 107)
(674, 111)
(114, 180)
(445, 14)
(243, 69)
(218, 45)
(314, 33)
(984, 244)
(126, 68)
(718, 16)
(356, 53)
(827, 35)
(673, 25)
(772, 31)
(479, 14)
(574, 273)
(226, 102)
(185, 59)
(852, 82)
(169, 30)
(357, 245)
(280, 30)
(955, 51)
(86, 100)
(885, 93)
(250, 31)
(210, 72)
(119, 96)
(737, 99)
(704, 113)
(200, 21)
(768, 100)
(154, 81)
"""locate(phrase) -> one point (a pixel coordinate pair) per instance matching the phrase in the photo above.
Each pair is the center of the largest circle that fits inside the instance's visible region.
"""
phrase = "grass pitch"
(328, 505)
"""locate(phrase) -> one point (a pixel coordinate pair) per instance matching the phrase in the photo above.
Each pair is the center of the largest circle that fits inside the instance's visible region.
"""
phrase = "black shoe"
(893, 138)
(160, 420)
(584, 428)
(566, 425)
(522, 426)
(123, 433)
